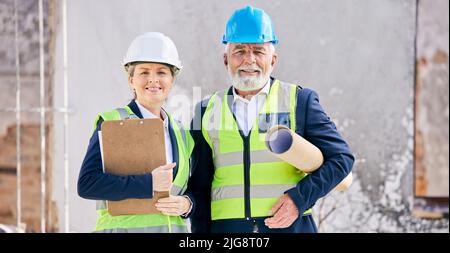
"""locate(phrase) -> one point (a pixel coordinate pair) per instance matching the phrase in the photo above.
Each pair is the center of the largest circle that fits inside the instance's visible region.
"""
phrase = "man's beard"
(249, 83)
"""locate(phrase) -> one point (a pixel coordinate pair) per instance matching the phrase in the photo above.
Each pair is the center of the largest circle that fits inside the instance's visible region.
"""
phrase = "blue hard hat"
(249, 25)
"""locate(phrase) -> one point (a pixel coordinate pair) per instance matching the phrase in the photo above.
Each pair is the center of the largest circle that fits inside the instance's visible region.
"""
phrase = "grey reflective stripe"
(263, 156)
(269, 191)
(215, 147)
(227, 192)
(124, 114)
(227, 159)
(183, 133)
(234, 158)
(159, 229)
(215, 116)
(215, 120)
(176, 190)
(284, 97)
(100, 204)
(256, 191)
(183, 190)
(183, 136)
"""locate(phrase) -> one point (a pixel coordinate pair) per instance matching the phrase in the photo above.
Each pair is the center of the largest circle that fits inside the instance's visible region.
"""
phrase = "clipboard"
(133, 147)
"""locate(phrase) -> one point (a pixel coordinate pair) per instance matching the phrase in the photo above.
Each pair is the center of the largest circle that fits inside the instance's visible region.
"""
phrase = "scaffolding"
(66, 119)
(42, 110)
(18, 121)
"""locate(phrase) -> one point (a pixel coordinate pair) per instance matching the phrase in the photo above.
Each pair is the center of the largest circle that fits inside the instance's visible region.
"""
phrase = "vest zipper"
(246, 140)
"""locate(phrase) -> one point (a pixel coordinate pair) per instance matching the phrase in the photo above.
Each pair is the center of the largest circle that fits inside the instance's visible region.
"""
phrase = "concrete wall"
(359, 56)
(432, 111)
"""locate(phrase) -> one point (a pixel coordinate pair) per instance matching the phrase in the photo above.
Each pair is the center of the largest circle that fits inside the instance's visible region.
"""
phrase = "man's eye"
(144, 73)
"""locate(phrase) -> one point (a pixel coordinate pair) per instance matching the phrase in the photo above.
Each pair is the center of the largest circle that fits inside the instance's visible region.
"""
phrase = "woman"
(152, 64)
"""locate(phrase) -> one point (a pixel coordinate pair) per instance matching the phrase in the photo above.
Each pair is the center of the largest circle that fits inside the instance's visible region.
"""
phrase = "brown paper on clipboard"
(133, 147)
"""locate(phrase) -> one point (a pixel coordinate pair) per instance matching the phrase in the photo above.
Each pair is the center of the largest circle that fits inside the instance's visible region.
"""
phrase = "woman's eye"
(144, 73)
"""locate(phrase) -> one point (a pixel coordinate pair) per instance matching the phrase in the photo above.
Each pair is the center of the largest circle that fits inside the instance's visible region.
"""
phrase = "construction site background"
(379, 66)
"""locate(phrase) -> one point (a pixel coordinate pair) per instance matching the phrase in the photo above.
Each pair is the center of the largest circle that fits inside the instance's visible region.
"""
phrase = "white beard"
(251, 82)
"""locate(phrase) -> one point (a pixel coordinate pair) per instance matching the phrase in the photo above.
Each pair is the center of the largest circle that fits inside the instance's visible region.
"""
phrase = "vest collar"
(230, 100)
(135, 109)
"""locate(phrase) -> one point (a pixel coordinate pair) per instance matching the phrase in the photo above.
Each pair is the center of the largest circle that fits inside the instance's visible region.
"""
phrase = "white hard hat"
(153, 47)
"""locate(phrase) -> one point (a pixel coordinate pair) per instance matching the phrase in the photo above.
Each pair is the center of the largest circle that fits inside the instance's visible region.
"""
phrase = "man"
(238, 185)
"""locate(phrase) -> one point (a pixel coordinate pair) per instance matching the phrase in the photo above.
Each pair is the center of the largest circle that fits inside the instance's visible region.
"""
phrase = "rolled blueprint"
(297, 151)
(344, 184)
(294, 149)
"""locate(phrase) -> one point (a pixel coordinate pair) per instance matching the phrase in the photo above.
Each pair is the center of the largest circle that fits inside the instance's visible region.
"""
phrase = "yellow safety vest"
(248, 179)
(153, 223)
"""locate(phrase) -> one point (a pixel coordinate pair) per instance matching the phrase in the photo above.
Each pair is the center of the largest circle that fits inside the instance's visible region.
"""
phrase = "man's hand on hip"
(284, 213)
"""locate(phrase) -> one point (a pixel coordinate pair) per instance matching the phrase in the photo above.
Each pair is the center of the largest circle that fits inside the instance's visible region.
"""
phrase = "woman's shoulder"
(116, 114)
(106, 115)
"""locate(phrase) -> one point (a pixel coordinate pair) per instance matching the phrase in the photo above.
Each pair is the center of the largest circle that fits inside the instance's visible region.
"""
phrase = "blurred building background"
(379, 66)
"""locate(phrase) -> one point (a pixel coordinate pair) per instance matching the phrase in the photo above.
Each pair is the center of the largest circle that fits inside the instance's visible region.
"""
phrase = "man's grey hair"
(271, 48)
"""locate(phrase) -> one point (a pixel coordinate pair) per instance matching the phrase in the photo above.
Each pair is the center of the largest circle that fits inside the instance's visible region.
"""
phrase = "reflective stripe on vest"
(181, 179)
(270, 176)
(149, 222)
(124, 114)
